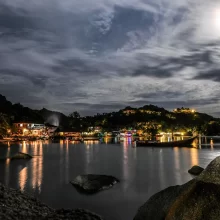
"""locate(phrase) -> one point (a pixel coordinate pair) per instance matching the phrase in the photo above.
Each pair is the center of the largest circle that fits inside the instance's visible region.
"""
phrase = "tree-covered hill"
(146, 117)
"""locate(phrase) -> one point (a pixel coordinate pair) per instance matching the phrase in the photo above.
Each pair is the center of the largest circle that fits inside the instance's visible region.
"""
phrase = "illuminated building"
(184, 110)
(129, 110)
(67, 133)
(29, 129)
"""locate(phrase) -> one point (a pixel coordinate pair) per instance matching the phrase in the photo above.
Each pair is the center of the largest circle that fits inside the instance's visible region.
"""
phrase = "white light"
(217, 18)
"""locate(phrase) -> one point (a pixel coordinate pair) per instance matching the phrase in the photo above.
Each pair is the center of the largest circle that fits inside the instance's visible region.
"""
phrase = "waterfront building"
(29, 129)
(149, 112)
(129, 110)
(50, 129)
(67, 132)
(184, 110)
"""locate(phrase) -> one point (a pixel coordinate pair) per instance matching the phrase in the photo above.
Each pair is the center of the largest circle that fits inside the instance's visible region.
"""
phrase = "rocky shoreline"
(17, 205)
(198, 199)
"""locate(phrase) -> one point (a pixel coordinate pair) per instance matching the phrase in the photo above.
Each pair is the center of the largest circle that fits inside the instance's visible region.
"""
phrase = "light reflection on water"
(142, 171)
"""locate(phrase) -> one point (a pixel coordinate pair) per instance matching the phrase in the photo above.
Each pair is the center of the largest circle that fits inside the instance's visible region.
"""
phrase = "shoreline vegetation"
(149, 121)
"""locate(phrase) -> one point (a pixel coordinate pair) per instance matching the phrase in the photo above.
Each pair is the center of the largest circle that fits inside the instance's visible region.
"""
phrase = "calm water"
(142, 171)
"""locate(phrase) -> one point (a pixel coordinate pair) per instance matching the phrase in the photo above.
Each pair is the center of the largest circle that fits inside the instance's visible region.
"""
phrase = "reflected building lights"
(24, 147)
(194, 156)
(23, 175)
(7, 166)
(177, 158)
(161, 170)
(212, 144)
(37, 167)
(67, 163)
(7, 171)
(125, 165)
(8, 153)
(61, 160)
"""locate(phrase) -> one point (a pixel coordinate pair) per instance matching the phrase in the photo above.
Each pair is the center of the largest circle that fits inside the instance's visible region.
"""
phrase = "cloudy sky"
(102, 55)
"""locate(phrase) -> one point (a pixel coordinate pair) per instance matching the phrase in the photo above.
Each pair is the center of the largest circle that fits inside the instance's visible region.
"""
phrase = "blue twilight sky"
(102, 55)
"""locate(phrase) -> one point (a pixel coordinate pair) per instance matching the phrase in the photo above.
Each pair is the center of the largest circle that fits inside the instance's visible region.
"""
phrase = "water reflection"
(7, 171)
(194, 156)
(176, 158)
(161, 169)
(37, 166)
(142, 171)
(67, 163)
(24, 147)
(126, 143)
(23, 175)
(212, 144)
(61, 160)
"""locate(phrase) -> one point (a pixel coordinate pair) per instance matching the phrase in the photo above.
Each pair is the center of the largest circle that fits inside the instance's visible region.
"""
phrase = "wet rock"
(195, 170)
(17, 205)
(199, 199)
(93, 183)
(21, 155)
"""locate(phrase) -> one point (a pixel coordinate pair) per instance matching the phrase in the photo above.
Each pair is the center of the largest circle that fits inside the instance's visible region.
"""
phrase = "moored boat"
(181, 143)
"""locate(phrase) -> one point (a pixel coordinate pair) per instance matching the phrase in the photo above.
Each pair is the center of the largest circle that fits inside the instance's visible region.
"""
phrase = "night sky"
(102, 55)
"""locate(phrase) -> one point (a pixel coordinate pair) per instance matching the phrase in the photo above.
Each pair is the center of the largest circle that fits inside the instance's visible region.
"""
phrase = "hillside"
(17, 112)
(148, 116)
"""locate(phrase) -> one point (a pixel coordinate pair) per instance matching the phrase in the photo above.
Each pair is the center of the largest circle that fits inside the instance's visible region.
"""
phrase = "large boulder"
(91, 183)
(199, 199)
(195, 170)
(21, 155)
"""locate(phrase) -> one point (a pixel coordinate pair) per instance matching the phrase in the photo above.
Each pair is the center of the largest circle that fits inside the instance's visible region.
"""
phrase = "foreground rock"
(21, 155)
(93, 183)
(195, 170)
(199, 199)
(17, 205)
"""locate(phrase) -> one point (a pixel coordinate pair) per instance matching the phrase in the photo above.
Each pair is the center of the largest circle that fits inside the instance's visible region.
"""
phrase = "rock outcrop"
(195, 170)
(93, 183)
(17, 205)
(21, 155)
(199, 199)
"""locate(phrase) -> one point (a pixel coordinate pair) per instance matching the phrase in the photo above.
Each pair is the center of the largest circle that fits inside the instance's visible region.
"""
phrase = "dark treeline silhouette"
(148, 118)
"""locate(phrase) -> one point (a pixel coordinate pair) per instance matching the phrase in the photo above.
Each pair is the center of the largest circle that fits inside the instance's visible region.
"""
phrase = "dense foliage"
(149, 118)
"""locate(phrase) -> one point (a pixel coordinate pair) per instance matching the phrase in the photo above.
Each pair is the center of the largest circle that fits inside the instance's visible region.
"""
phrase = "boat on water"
(181, 143)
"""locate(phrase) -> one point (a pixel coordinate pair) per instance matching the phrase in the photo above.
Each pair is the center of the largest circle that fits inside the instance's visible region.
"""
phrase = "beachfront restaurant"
(29, 129)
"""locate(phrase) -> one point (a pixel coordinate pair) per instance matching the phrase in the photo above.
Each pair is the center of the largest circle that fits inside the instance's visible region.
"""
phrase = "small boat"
(182, 143)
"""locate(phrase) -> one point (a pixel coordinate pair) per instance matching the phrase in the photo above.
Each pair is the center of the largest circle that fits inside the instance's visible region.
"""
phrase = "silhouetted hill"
(129, 117)
(5, 105)
(18, 113)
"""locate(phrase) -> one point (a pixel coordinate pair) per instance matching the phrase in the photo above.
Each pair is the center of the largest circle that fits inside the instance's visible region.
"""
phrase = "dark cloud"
(39, 81)
(153, 71)
(164, 94)
(210, 75)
